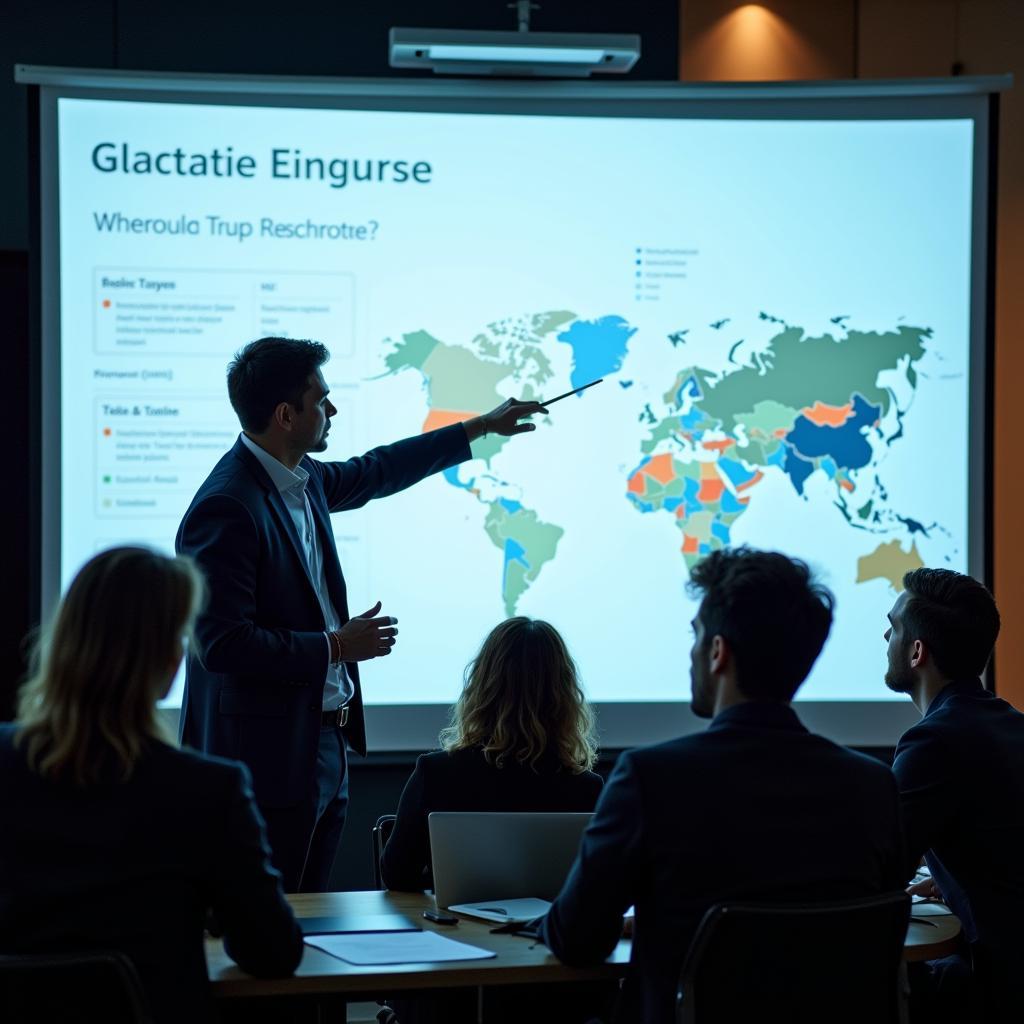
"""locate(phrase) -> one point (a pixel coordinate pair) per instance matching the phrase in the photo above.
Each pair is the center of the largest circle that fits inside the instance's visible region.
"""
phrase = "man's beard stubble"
(899, 680)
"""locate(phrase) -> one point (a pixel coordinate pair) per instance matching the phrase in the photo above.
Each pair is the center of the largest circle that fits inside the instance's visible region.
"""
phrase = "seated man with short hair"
(960, 771)
(754, 808)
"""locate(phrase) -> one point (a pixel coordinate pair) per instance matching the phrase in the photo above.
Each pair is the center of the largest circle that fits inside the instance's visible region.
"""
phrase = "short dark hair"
(956, 618)
(268, 372)
(772, 613)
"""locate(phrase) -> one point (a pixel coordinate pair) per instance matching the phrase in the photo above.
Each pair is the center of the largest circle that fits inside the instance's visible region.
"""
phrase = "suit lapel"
(277, 507)
(332, 565)
(287, 524)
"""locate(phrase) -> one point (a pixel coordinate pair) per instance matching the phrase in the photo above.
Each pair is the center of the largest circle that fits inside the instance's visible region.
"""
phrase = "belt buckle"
(342, 719)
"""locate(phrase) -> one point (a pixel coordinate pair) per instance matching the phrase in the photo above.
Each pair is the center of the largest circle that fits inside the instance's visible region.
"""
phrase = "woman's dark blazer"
(466, 781)
(135, 866)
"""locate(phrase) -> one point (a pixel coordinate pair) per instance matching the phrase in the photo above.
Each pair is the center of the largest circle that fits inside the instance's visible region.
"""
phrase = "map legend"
(658, 273)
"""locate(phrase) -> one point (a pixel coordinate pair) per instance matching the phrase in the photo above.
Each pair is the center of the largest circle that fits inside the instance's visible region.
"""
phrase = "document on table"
(504, 911)
(397, 948)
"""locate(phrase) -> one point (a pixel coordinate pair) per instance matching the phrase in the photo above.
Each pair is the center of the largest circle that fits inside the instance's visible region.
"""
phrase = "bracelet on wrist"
(335, 648)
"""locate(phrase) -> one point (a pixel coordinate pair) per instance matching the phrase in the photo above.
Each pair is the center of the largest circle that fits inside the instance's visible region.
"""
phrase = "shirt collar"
(280, 475)
(759, 714)
(970, 687)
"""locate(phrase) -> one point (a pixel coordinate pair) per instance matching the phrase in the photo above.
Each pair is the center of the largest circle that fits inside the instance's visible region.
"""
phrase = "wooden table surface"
(518, 960)
(929, 938)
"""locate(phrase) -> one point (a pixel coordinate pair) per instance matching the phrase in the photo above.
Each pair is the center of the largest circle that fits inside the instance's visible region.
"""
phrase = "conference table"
(518, 961)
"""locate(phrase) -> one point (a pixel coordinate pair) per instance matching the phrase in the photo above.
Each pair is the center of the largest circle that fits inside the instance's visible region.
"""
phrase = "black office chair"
(87, 988)
(379, 836)
(799, 963)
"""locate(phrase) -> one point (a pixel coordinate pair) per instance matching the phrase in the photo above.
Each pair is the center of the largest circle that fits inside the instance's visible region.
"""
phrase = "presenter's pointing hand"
(367, 636)
(505, 420)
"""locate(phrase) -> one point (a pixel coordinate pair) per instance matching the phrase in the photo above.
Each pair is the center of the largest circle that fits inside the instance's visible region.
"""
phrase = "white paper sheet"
(397, 948)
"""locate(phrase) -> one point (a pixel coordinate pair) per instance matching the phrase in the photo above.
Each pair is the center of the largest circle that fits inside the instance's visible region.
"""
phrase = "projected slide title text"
(284, 164)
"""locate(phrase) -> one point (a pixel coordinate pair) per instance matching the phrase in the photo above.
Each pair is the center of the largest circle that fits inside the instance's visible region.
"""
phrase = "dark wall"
(16, 508)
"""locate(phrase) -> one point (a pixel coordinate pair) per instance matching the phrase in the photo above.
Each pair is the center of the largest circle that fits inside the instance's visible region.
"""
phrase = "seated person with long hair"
(112, 838)
(520, 739)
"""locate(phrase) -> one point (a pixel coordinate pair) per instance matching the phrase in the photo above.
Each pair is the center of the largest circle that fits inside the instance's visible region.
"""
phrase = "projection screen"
(783, 288)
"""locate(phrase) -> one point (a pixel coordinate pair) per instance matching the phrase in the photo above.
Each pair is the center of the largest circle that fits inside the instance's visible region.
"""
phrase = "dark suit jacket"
(134, 866)
(754, 808)
(465, 781)
(960, 773)
(254, 688)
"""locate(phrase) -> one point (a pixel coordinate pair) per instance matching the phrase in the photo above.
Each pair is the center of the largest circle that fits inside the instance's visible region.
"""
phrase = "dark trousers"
(304, 838)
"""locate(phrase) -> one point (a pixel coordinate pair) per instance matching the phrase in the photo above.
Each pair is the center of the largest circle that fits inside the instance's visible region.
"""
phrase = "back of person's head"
(88, 710)
(522, 701)
(770, 611)
(954, 616)
(268, 372)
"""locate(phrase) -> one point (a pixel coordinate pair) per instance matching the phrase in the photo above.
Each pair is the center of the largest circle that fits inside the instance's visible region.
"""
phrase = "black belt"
(337, 719)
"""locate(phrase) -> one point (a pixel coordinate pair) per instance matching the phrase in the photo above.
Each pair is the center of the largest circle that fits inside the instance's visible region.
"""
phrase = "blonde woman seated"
(111, 837)
(520, 739)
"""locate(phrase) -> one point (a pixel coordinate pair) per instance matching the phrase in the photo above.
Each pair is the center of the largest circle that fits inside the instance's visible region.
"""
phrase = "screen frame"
(415, 727)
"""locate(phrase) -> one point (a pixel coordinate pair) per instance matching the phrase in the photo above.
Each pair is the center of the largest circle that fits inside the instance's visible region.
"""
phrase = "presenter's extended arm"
(585, 921)
(504, 420)
(394, 467)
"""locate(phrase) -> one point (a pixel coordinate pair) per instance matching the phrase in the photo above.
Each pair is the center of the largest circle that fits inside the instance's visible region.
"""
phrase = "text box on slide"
(152, 453)
(168, 311)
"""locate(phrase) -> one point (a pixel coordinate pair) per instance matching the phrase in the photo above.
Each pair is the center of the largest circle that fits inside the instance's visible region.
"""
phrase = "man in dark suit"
(960, 772)
(273, 680)
(755, 808)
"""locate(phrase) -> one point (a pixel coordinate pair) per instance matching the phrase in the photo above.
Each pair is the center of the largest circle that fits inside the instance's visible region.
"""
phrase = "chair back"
(87, 988)
(379, 837)
(838, 962)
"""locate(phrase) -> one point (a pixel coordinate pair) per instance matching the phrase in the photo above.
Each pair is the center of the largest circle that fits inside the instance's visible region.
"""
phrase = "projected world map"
(797, 406)
(773, 375)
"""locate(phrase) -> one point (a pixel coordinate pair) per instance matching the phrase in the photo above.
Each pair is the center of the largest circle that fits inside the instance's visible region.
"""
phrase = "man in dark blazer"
(755, 808)
(960, 773)
(273, 680)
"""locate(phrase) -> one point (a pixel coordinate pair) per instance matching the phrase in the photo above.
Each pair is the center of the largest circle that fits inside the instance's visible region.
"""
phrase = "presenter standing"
(274, 679)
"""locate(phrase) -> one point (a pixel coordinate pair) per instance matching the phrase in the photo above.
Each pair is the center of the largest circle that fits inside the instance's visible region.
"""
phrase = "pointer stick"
(575, 391)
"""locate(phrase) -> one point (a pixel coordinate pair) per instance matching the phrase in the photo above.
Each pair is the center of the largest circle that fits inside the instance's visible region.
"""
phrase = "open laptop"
(501, 859)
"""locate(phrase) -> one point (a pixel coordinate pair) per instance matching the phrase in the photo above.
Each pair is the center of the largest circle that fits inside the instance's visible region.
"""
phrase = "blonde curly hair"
(522, 700)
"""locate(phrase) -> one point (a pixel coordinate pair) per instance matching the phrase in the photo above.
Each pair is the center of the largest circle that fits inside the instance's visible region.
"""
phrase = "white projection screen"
(784, 287)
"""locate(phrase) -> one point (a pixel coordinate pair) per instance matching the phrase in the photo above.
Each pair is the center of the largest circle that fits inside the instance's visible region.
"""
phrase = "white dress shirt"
(291, 485)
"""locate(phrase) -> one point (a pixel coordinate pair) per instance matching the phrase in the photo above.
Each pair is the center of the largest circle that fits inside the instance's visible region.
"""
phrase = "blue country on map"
(598, 347)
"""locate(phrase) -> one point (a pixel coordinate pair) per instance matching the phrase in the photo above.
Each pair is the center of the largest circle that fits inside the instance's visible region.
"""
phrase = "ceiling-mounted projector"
(551, 54)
